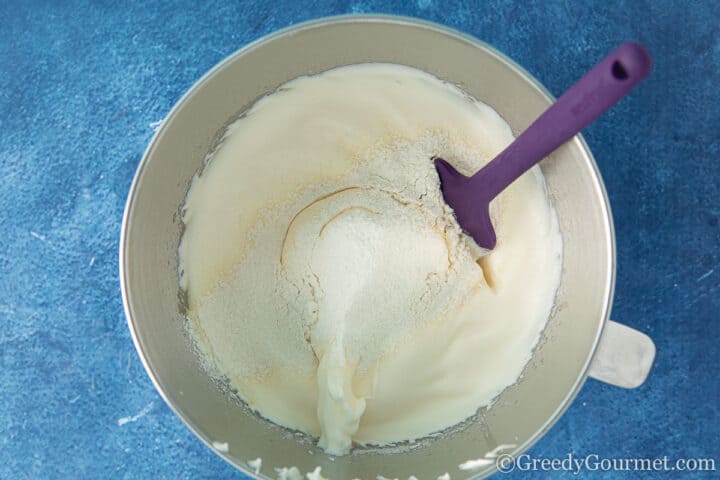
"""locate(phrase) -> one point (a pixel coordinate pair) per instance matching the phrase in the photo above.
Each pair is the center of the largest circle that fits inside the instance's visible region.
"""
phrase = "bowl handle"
(624, 356)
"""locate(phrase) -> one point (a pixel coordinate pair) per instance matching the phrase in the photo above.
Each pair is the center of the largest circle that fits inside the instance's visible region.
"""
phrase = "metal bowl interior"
(151, 232)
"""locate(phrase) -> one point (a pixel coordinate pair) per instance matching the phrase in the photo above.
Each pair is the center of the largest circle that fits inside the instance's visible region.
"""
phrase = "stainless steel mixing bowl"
(152, 228)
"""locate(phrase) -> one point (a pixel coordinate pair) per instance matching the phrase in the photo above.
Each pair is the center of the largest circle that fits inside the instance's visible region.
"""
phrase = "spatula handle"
(587, 99)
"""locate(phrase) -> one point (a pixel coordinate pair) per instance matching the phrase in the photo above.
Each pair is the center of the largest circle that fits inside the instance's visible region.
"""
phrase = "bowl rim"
(293, 29)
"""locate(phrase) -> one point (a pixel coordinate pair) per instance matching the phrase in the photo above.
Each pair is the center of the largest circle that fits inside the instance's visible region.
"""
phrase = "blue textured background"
(81, 87)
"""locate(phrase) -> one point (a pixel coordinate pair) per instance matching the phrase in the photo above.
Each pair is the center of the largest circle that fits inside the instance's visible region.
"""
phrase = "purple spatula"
(590, 97)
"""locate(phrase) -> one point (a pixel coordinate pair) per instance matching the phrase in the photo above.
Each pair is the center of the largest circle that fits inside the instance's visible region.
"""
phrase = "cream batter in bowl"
(329, 212)
(331, 285)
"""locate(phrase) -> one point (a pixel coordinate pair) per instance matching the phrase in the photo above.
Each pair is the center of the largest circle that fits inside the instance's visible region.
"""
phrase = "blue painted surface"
(81, 84)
